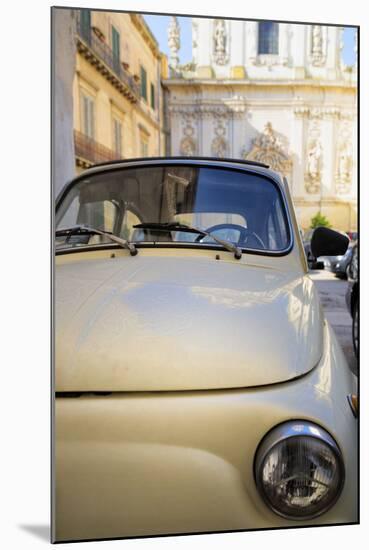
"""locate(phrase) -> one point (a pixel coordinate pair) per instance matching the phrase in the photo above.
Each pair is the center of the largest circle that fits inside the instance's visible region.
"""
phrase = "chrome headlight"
(299, 470)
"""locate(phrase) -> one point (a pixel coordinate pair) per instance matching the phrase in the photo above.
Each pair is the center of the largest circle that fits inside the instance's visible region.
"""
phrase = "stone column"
(252, 41)
(329, 140)
(237, 49)
(204, 68)
(298, 140)
(284, 30)
(299, 50)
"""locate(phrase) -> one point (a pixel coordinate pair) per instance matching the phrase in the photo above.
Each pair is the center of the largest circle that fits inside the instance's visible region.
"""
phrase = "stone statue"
(314, 161)
(267, 138)
(174, 43)
(220, 42)
(344, 169)
(188, 147)
(317, 45)
(344, 166)
(313, 165)
(219, 147)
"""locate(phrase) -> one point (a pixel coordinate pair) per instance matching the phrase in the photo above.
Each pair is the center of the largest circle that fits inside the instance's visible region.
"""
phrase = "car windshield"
(242, 207)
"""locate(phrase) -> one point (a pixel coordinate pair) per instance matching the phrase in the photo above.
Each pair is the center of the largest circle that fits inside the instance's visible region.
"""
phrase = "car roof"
(210, 159)
(255, 166)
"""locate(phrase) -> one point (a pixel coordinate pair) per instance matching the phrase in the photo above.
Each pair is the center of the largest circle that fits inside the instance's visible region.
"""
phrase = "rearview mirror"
(327, 242)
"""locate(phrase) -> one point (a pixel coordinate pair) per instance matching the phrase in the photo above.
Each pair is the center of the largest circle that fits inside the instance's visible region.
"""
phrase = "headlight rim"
(281, 432)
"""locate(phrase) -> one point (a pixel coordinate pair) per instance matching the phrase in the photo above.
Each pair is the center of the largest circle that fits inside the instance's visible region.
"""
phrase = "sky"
(159, 25)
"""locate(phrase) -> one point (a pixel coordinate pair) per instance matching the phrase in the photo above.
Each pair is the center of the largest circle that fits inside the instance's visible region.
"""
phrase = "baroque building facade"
(278, 93)
(117, 93)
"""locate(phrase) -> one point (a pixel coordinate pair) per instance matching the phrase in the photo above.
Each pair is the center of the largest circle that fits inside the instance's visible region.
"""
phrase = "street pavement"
(332, 293)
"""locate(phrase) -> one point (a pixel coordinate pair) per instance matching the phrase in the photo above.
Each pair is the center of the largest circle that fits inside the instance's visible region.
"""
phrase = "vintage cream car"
(199, 387)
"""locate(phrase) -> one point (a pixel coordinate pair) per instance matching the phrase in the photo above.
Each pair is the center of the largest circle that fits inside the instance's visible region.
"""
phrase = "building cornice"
(197, 83)
(125, 88)
(146, 34)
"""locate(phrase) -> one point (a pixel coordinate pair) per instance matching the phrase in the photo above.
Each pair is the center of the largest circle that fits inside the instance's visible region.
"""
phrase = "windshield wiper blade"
(176, 226)
(86, 229)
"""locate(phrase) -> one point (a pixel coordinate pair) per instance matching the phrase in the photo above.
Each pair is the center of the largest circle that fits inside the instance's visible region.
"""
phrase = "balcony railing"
(89, 152)
(101, 56)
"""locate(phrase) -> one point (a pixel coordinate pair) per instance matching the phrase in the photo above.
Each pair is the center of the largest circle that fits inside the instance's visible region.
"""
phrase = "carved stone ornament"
(195, 34)
(174, 43)
(268, 148)
(219, 145)
(344, 168)
(301, 111)
(317, 45)
(268, 59)
(188, 146)
(314, 165)
(220, 42)
(344, 159)
(200, 111)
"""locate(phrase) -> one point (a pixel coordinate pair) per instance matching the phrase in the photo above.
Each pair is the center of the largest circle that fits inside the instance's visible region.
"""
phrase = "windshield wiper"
(174, 226)
(88, 230)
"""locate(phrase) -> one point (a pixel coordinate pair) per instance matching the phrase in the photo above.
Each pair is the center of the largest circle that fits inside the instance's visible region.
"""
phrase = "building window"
(85, 24)
(143, 84)
(117, 129)
(115, 40)
(88, 115)
(144, 148)
(152, 96)
(268, 37)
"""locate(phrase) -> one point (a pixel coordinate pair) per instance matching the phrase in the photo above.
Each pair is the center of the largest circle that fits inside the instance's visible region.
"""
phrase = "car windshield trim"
(176, 226)
(272, 178)
(83, 229)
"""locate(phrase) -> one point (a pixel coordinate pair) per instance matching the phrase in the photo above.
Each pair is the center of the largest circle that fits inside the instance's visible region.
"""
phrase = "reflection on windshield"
(237, 206)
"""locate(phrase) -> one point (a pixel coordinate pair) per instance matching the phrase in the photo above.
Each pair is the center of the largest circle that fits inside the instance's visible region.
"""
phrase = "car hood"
(170, 323)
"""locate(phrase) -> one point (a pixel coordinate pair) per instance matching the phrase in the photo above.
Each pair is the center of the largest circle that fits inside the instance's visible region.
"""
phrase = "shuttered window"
(152, 96)
(144, 148)
(116, 48)
(88, 116)
(85, 24)
(143, 84)
(117, 129)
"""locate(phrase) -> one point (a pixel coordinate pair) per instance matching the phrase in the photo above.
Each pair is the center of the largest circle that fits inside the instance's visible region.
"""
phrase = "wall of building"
(141, 121)
(294, 110)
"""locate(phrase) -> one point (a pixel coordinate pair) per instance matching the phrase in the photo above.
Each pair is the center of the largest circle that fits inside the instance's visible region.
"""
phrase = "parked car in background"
(352, 297)
(199, 386)
(352, 235)
(339, 265)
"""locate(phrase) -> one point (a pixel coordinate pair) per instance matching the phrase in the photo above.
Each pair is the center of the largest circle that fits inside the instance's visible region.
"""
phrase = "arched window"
(268, 38)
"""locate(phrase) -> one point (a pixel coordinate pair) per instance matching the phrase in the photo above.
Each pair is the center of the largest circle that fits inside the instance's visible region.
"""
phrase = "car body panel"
(136, 324)
(175, 462)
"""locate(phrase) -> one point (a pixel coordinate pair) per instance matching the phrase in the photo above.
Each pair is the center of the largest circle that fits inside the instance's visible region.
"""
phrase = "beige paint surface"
(131, 464)
(136, 324)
